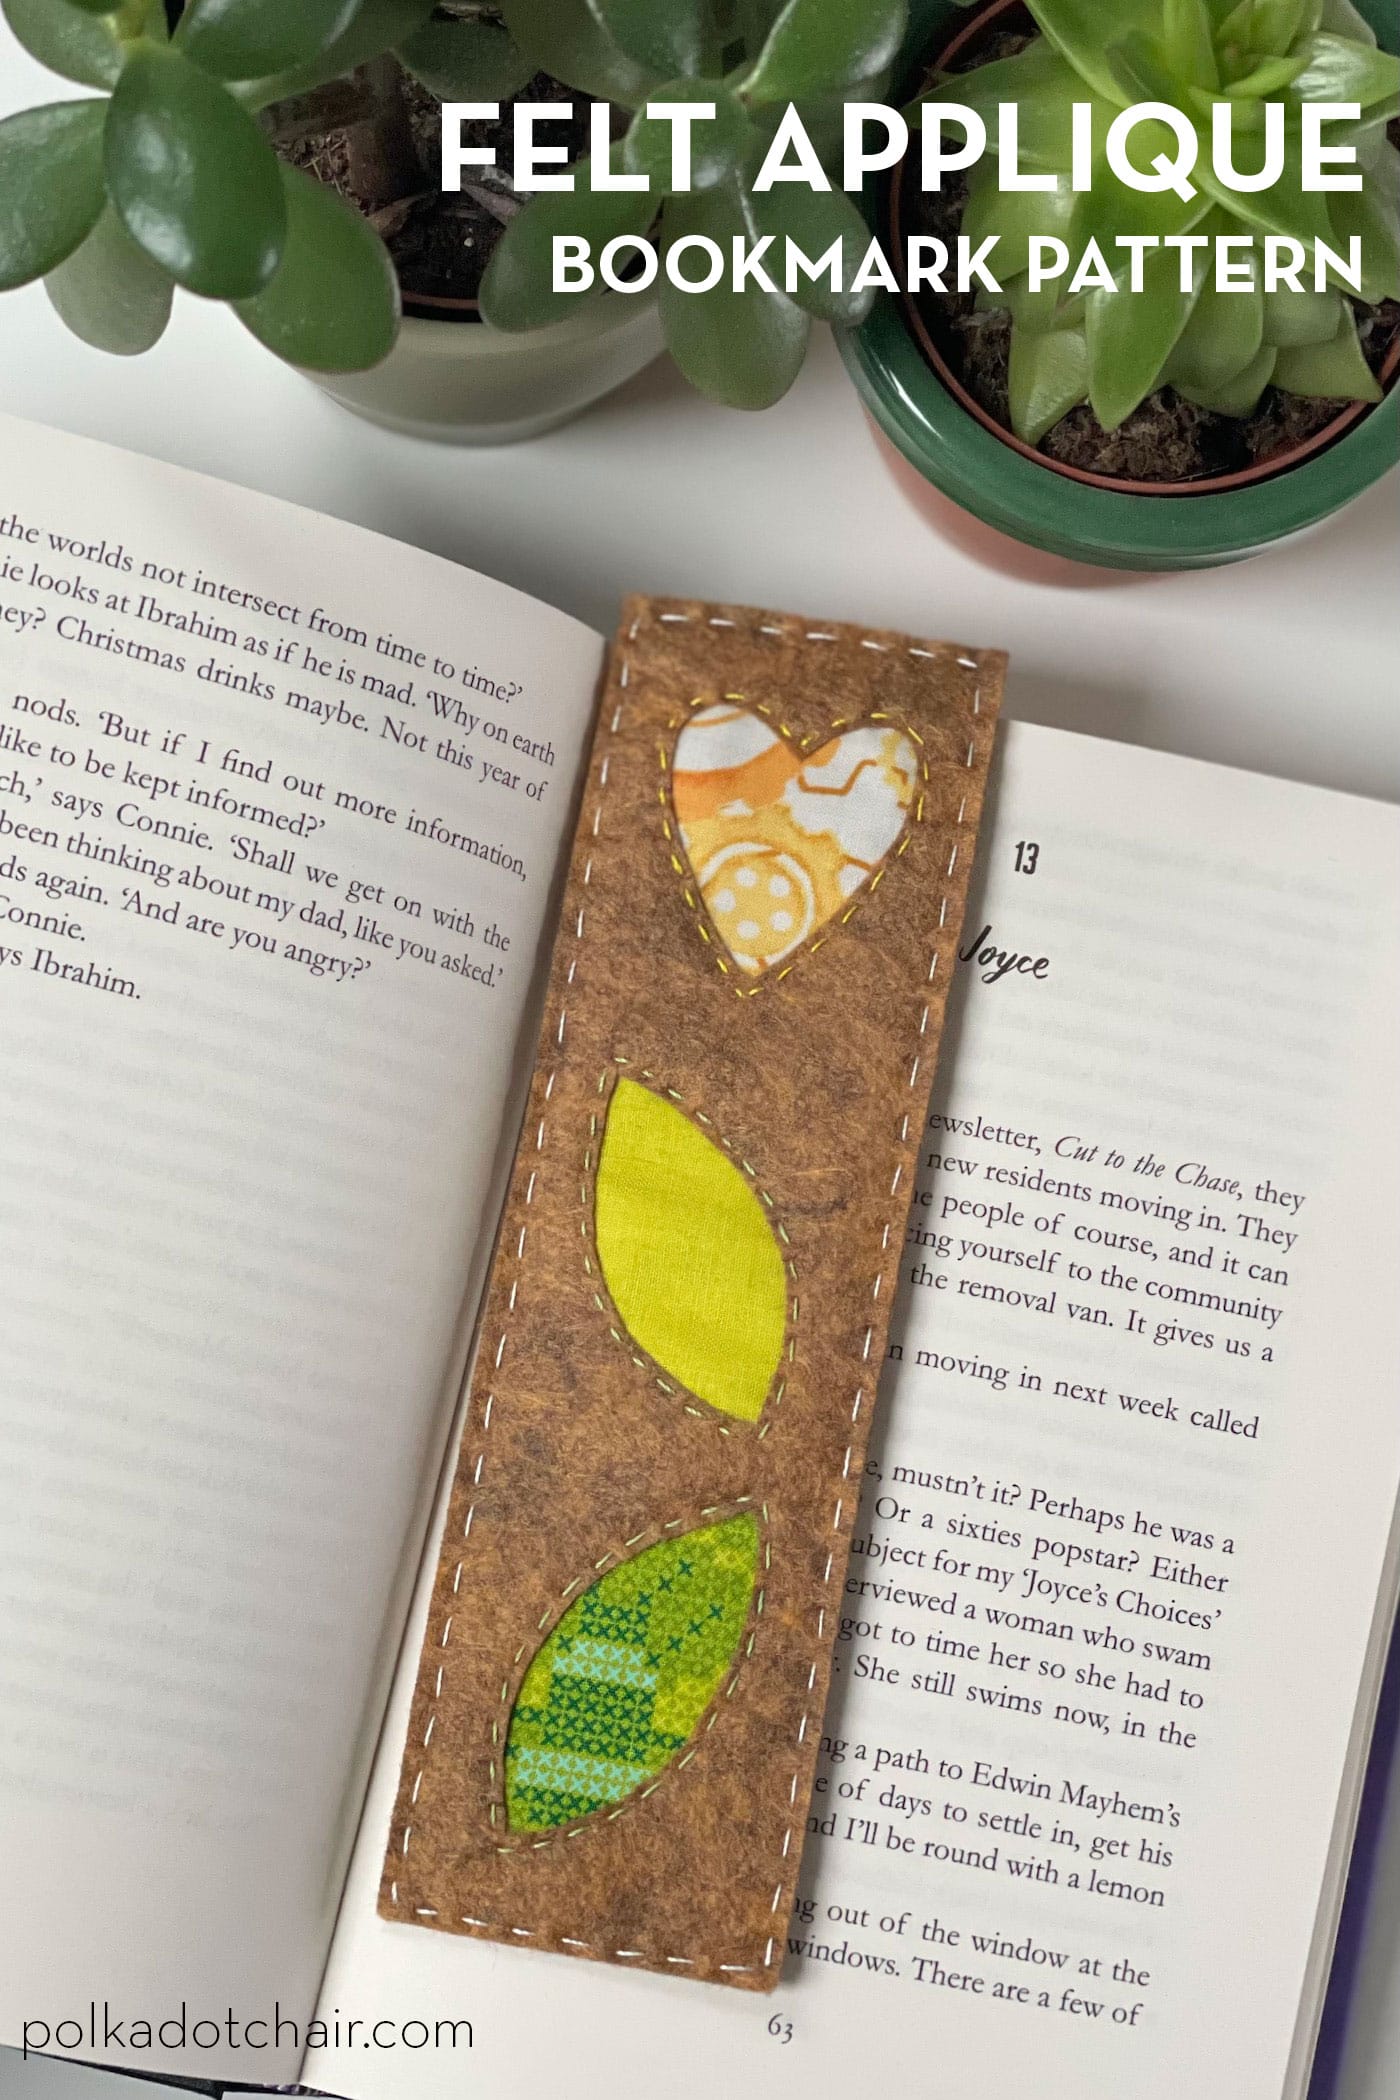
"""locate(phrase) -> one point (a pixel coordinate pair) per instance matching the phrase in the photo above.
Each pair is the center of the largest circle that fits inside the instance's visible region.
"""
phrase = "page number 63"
(780, 2029)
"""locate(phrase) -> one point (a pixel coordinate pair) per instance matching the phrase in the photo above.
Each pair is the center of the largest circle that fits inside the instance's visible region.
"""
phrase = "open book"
(282, 808)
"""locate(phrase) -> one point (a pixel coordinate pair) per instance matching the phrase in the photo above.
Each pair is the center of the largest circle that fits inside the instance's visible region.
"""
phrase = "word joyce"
(1168, 142)
(996, 963)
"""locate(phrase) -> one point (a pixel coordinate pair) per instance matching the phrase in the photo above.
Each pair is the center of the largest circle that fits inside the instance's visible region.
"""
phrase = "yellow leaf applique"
(688, 1253)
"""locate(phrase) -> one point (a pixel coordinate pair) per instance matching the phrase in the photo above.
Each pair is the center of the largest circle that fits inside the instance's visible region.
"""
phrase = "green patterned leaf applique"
(688, 1253)
(625, 1679)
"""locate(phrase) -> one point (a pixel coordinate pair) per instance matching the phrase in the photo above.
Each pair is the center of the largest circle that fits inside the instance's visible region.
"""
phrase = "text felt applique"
(687, 1312)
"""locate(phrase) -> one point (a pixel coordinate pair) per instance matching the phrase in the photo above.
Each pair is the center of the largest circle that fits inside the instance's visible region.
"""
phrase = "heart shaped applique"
(781, 840)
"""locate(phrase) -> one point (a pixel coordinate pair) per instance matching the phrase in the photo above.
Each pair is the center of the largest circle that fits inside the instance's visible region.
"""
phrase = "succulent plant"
(170, 178)
(1219, 349)
(750, 59)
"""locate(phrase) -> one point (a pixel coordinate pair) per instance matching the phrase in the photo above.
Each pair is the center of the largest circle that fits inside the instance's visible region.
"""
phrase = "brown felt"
(573, 1452)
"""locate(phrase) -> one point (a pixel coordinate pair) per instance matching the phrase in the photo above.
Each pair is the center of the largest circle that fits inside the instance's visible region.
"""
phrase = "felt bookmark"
(620, 1698)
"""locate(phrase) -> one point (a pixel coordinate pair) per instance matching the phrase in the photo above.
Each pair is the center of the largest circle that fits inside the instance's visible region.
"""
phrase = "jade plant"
(171, 177)
(1113, 347)
(749, 59)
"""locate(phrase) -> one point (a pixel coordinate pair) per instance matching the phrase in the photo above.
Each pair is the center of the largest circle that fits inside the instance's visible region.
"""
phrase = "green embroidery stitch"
(688, 1254)
(622, 1683)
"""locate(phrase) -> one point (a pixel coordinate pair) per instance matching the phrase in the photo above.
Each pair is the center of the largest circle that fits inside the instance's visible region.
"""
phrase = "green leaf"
(565, 38)
(1109, 210)
(753, 20)
(1187, 41)
(821, 47)
(1036, 69)
(688, 1254)
(50, 186)
(1049, 375)
(1220, 341)
(96, 7)
(1372, 214)
(1080, 30)
(1265, 79)
(1132, 334)
(1236, 61)
(1239, 396)
(377, 26)
(1366, 134)
(1341, 18)
(1139, 65)
(66, 40)
(624, 1681)
(1285, 208)
(1335, 371)
(1267, 27)
(1038, 311)
(1044, 87)
(1292, 319)
(741, 348)
(823, 116)
(814, 219)
(241, 39)
(333, 303)
(1015, 218)
(717, 144)
(1235, 31)
(466, 61)
(1277, 24)
(110, 294)
(517, 291)
(1338, 70)
(193, 177)
(675, 37)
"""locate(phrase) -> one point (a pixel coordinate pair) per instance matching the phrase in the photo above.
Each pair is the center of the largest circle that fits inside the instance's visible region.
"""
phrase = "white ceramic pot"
(465, 383)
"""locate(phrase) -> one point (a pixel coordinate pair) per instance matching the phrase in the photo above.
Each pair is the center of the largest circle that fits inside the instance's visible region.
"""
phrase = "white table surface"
(1287, 664)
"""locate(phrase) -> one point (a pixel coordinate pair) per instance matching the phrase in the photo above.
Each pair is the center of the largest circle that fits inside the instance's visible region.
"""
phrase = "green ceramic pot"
(986, 473)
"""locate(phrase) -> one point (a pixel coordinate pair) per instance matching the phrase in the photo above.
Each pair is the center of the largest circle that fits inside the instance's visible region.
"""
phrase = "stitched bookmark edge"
(760, 1972)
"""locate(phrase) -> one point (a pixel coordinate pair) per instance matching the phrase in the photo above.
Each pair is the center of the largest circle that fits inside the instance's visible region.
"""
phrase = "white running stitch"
(526, 1932)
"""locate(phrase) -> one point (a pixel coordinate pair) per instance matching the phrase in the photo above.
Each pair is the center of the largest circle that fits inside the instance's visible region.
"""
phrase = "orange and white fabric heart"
(781, 841)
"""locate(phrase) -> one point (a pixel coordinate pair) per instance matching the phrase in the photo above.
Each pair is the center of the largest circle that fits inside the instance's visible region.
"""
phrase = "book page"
(1109, 1621)
(281, 810)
